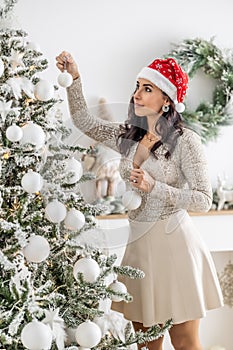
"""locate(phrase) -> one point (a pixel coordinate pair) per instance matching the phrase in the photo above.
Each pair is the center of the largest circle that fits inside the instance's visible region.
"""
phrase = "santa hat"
(168, 76)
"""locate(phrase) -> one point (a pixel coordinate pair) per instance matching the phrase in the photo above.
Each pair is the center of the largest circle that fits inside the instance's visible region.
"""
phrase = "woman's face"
(148, 99)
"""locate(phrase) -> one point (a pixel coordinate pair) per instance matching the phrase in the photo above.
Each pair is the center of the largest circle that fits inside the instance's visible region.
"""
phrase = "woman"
(164, 162)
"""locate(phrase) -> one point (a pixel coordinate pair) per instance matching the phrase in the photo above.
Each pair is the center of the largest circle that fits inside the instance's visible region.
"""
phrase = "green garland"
(195, 54)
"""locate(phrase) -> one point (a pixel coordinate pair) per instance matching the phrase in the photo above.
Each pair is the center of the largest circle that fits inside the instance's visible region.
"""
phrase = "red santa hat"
(168, 76)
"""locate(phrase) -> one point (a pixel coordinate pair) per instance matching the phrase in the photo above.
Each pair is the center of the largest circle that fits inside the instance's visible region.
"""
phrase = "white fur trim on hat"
(180, 107)
(160, 81)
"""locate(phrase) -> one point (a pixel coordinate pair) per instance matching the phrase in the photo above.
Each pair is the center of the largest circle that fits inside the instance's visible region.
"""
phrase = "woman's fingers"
(66, 61)
(136, 176)
(142, 180)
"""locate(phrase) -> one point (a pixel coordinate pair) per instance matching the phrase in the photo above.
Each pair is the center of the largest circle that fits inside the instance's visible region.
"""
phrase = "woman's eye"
(148, 89)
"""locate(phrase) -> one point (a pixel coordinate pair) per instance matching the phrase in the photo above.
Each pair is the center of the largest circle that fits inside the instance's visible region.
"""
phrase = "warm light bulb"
(6, 155)
(28, 100)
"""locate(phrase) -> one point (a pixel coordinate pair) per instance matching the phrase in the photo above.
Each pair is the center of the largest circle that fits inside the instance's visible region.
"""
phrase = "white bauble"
(32, 182)
(131, 200)
(74, 220)
(33, 46)
(118, 287)
(14, 133)
(37, 249)
(65, 79)
(55, 211)
(88, 267)
(88, 334)
(74, 166)
(44, 90)
(1, 67)
(34, 134)
(36, 336)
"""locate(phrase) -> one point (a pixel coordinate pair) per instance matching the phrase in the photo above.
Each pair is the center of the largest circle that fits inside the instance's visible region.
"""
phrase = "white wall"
(113, 40)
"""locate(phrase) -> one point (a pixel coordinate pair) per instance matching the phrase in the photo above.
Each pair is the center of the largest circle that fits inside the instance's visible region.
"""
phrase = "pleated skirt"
(180, 277)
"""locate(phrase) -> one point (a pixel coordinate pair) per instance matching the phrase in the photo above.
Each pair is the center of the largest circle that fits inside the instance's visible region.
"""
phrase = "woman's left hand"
(142, 180)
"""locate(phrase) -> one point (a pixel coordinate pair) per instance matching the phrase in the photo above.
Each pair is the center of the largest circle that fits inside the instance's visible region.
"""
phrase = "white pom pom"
(32, 181)
(65, 79)
(118, 287)
(37, 249)
(180, 107)
(14, 133)
(55, 211)
(36, 335)
(44, 90)
(34, 134)
(74, 168)
(88, 334)
(131, 200)
(88, 267)
(74, 220)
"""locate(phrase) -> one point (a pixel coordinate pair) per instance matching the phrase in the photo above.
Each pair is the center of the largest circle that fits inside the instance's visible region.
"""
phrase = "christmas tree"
(51, 286)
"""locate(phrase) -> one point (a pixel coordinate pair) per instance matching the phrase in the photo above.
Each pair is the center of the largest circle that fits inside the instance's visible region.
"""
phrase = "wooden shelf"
(209, 213)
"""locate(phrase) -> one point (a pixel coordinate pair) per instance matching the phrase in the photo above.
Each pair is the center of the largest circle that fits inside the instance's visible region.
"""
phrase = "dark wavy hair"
(169, 126)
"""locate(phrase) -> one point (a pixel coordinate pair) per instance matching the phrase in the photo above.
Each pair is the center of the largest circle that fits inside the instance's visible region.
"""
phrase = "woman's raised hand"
(66, 61)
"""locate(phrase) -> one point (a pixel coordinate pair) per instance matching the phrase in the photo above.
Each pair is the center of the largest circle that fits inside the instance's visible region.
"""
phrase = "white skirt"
(180, 277)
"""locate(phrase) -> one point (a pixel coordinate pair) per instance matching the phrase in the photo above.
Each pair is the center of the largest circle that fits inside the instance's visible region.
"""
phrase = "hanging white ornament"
(88, 267)
(33, 134)
(1, 67)
(88, 334)
(44, 90)
(131, 200)
(118, 287)
(37, 249)
(36, 336)
(33, 46)
(32, 181)
(14, 133)
(55, 211)
(65, 79)
(74, 220)
(73, 170)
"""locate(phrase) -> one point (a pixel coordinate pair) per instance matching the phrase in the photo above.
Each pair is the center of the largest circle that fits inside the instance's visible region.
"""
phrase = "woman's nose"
(137, 94)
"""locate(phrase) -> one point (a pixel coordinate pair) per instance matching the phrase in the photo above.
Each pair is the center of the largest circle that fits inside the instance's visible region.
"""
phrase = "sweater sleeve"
(197, 194)
(100, 130)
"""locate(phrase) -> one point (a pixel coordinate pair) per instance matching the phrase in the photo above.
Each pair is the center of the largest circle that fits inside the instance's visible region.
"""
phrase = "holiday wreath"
(195, 54)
